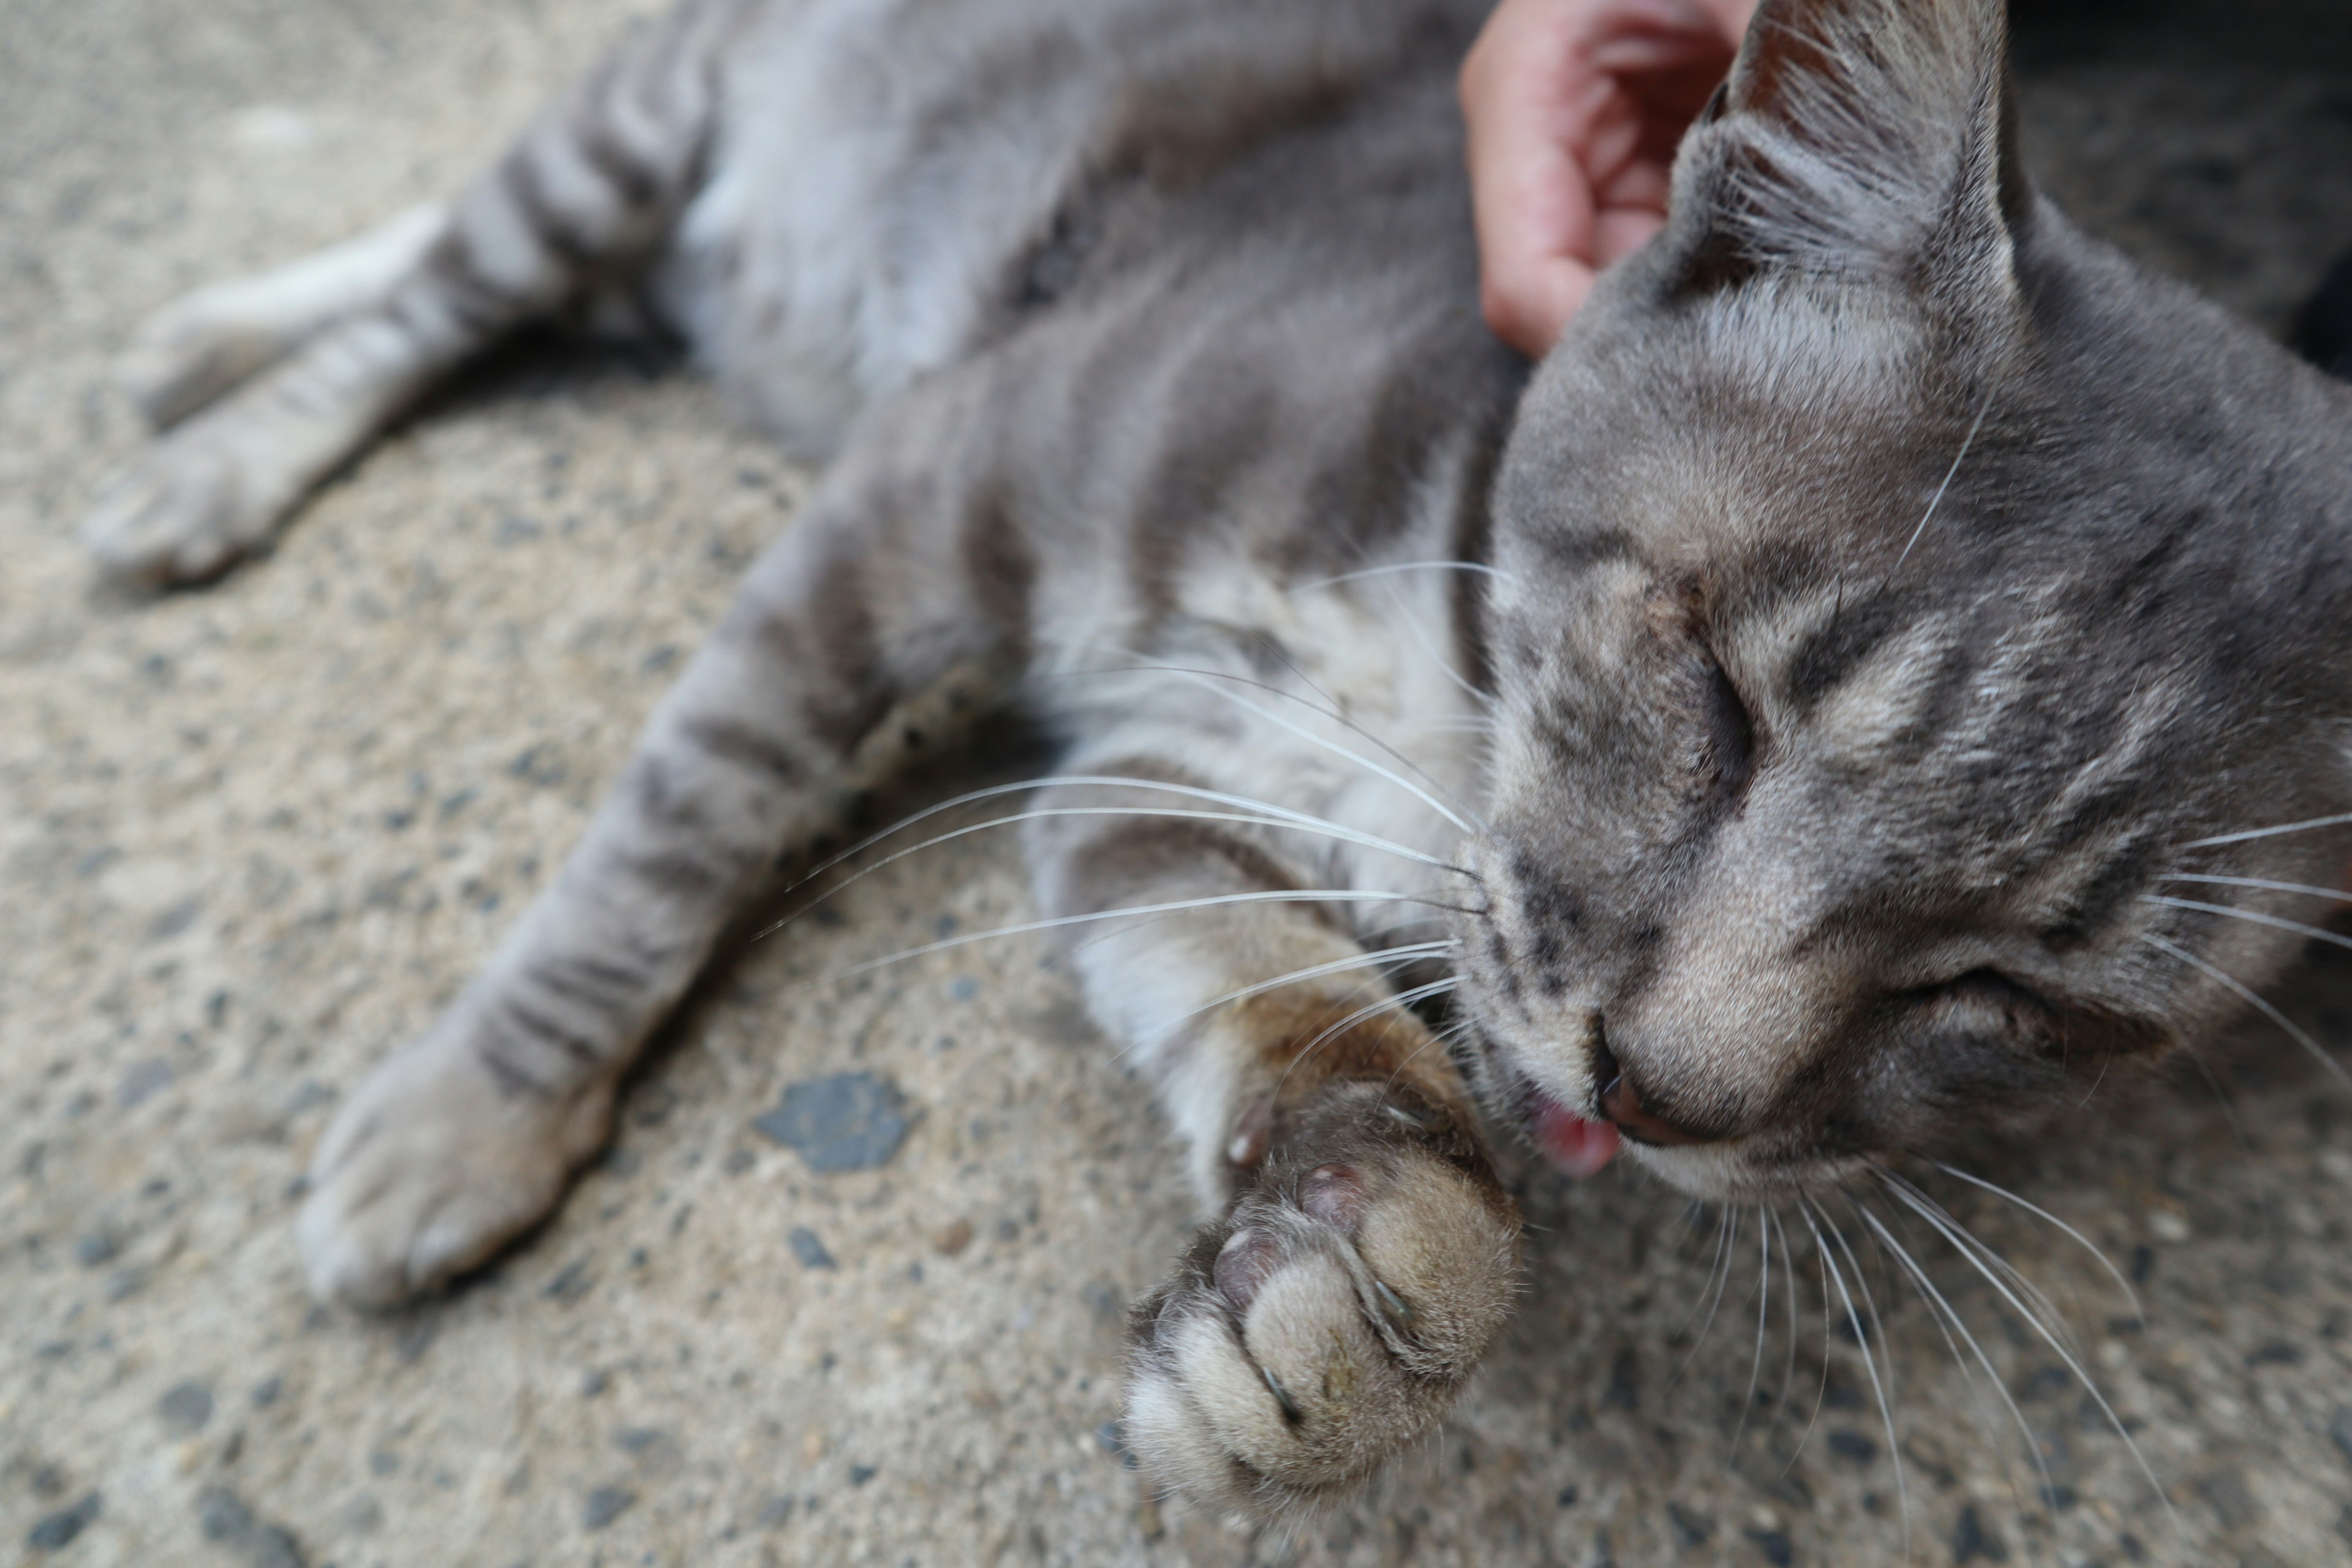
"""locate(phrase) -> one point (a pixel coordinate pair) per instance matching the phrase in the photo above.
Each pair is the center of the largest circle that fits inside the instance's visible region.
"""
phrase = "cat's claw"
(429, 1167)
(1328, 1319)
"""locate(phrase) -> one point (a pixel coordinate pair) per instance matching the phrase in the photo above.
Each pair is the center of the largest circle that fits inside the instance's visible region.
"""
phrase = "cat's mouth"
(1578, 1145)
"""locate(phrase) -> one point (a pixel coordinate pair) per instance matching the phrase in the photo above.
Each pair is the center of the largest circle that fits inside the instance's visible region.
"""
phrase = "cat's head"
(1904, 602)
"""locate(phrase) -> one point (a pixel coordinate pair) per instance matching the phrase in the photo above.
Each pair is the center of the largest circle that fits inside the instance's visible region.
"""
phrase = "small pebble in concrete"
(2340, 1429)
(850, 1121)
(952, 1240)
(144, 1082)
(1775, 1545)
(265, 1392)
(226, 1520)
(97, 1248)
(58, 1530)
(592, 1384)
(605, 1505)
(776, 1513)
(1972, 1542)
(809, 1249)
(1851, 1444)
(186, 1406)
(860, 1474)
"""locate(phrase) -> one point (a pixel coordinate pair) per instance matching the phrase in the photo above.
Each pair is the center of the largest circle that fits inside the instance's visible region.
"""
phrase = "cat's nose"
(1620, 1103)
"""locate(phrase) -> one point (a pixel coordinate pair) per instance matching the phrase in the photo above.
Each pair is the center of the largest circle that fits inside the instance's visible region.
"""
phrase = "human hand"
(1574, 108)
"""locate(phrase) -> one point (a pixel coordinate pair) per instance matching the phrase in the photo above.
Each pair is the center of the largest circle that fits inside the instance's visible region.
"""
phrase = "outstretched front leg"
(1363, 1256)
(889, 581)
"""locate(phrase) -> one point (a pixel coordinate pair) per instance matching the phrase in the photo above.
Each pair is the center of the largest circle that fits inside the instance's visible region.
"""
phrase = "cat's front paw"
(187, 508)
(1329, 1318)
(431, 1165)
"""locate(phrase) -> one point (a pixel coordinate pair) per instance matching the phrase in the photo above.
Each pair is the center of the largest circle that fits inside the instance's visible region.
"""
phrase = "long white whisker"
(1789, 1279)
(2085, 1242)
(2338, 894)
(2247, 994)
(1821, 1394)
(1960, 1326)
(2044, 1311)
(2338, 820)
(1202, 679)
(1304, 896)
(1402, 999)
(1402, 566)
(1178, 813)
(1927, 1212)
(1714, 1268)
(1190, 792)
(1313, 972)
(1950, 474)
(1404, 614)
(1763, 1311)
(1806, 1207)
(1719, 1275)
(2279, 922)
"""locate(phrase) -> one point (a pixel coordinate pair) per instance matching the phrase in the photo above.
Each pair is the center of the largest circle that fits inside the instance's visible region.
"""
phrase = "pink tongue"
(1576, 1145)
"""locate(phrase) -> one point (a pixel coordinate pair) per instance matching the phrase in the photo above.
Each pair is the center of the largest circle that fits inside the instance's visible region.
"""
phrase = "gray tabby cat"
(1850, 711)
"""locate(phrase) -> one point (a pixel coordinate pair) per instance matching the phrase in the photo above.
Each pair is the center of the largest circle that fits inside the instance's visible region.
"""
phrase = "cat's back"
(893, 184)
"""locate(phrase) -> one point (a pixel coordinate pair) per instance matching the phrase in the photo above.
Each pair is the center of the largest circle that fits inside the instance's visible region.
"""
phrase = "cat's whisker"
(1983, 408)
(1821, 1394)
(1463, 818)
(1047, 812)
(1882, 1389)
(2038, 1212)
(1441, 1037)
(1405, 618)
(1312, 971)
(2338, 894)
(1106, 780)
(1788, 1281)
(1282, 896)
(2044, 1311)
(1401, 999)
(1726, 1234)
(1763, 1314)
(2277, 923)
(1938, 1302)
(1478, 567)
(2264, 1004)
(1951, 1231)
(2338, 820)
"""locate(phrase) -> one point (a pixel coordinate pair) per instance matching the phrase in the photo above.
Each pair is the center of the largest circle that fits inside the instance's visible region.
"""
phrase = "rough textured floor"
(253, 836)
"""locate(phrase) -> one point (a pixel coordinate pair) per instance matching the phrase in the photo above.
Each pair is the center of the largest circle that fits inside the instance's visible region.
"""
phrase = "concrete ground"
(253, 836)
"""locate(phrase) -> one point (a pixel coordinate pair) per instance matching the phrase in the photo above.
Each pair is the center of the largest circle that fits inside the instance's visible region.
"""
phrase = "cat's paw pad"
(430, 1167)
(184, 510)
(1326, 1321)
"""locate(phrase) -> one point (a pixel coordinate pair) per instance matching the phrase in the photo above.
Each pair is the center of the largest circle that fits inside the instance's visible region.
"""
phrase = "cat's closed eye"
(1997, 1008)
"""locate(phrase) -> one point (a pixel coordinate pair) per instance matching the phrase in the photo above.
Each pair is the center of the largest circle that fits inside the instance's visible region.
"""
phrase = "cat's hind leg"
(1364, 1255)
(279, 380)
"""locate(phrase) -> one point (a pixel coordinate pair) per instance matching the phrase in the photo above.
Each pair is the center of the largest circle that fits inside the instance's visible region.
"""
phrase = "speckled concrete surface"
(253, 836)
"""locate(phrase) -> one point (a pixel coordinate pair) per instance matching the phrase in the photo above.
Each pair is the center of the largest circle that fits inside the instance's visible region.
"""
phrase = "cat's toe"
(428, 1169)
(1328, 1322)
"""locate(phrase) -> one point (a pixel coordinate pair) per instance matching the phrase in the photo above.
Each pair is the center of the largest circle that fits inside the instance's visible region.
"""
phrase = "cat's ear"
(1859, 138)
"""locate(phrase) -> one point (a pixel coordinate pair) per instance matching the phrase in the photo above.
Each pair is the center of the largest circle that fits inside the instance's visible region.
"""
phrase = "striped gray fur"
(1797, 710)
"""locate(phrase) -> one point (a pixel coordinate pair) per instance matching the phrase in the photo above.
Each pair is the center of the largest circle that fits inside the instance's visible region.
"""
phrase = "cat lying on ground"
(1871, 680)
